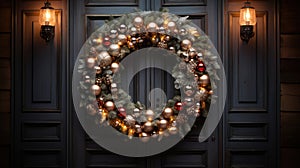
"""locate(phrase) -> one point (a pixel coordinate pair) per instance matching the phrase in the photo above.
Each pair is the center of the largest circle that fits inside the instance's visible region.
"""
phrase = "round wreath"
(108, 46)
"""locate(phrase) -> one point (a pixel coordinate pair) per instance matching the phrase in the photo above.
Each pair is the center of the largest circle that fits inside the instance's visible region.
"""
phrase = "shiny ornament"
(172, 49)
(178, 106)
(122, 28)
(96, 89)
(200, 66)
(138, 128)
(97, 41)
(136, 112)
(148, 126)
(171, 26)
(152, 27)
(162, 124)
(100, 101)
(186, 44)
(106, 41)
(114, 50)
(122, 39)
(161, 30)
(109, 105)
(192, 53)
(188, 90)
(168, 112)
(149, 115)
(204, 80)
(122, 112)
(182, 32)
(104, 59)
(113, 34)
(188, 101)
(90, 62)
(114, 67)
(98, 70)
(133, 30)
(113, 88)
(138, 22)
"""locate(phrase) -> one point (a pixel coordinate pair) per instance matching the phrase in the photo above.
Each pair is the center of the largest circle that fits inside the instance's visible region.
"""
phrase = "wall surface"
(290, 83)
(36, 77)
(6, 52)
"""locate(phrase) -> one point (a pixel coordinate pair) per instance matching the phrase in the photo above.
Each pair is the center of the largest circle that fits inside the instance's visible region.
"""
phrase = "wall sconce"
(47, 22)
(247, 21)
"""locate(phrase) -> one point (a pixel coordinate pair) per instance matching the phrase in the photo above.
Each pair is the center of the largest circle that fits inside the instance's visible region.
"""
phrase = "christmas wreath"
(100, 61)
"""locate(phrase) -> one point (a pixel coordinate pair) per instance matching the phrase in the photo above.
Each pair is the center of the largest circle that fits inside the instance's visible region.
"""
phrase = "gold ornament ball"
(171, 26)
(122, 39)
(149, 115)
(162, 124)
(104, 59)
(204, 80)
(152, 27)
(138, 22)
(114, 50)
(114, 67)
(148, 126)
(138, 128)
(96, 90)
(98, 69)
(168, 112)
(109, 105)
(186, 44)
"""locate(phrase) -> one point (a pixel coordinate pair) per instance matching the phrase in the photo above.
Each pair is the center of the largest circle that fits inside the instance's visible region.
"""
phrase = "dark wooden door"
(87, 17)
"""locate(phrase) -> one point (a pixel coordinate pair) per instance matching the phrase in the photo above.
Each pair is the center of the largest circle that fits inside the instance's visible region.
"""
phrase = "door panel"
(187, 153)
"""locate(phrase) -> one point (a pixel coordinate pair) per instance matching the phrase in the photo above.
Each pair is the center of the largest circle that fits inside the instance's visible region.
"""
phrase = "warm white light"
(247, 15)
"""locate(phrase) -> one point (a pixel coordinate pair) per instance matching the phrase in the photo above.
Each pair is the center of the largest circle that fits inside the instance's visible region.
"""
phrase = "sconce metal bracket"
(246, 32)
(47, 32)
